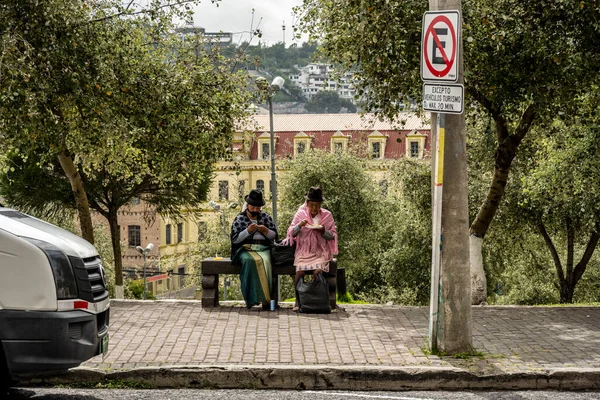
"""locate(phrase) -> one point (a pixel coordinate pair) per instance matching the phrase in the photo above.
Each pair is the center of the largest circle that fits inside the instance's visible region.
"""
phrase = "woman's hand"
(263, 229)
(303, 223)
(252, 228)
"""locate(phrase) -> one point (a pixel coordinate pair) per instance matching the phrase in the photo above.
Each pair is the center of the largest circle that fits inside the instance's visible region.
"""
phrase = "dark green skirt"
(256, 273)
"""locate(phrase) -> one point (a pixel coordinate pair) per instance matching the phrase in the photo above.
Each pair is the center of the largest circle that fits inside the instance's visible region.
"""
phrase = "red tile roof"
(321, 127)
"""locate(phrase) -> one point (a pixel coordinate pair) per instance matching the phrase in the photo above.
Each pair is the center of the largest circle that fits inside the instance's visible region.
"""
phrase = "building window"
(339, 142)
(179, 232)
(201, 231)
(265, 151)
(301, 143)
(376, 150)
(260, 185)
(134, 201)
(168, 234)
(415, 144)
(223, 190)
(135, 237)
(414, 149)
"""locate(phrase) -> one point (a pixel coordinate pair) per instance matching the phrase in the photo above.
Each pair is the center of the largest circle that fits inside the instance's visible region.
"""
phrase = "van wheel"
(5, 379)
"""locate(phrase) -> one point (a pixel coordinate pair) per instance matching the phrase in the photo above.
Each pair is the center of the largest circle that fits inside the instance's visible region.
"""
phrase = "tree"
(522, 60)
(547, 223)
(564, 202)
(405, 233)
(126, 108)
(351, 196)
(328, 102)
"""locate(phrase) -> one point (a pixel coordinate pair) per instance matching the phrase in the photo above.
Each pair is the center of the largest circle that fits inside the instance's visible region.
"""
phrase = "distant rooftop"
(334, 122)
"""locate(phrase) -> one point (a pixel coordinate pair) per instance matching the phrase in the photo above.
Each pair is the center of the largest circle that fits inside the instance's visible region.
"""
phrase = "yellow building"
(177, 243)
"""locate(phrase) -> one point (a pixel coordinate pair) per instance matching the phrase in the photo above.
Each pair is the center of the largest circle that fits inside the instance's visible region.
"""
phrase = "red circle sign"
(449, 62)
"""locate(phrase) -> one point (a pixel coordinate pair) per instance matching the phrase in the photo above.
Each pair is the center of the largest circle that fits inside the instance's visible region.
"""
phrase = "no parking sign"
(439, 46)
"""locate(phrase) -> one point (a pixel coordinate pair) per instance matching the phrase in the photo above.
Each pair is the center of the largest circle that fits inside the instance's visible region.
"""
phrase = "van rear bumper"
(38, 342)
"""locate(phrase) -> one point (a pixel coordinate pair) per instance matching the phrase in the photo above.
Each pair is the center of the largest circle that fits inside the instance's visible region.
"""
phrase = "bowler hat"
(314, 194)
(255, 198)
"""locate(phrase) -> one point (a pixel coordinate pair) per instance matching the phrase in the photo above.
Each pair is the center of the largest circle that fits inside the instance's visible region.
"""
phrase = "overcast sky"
(236, 16)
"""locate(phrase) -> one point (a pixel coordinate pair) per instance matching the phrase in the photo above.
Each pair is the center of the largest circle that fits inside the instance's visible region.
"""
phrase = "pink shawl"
(310, 241)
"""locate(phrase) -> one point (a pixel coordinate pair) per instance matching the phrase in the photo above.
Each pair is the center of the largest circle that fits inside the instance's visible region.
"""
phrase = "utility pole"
(450, 316)
(283, 28)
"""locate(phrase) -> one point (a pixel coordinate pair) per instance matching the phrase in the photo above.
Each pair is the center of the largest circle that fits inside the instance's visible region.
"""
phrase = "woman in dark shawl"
(252, 234)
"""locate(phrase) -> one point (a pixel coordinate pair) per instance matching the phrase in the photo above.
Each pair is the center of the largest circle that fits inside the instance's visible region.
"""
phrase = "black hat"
(314, 194)
(255, 198)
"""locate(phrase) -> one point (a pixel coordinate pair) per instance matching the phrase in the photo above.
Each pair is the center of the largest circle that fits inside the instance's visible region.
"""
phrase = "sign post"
(443, 93)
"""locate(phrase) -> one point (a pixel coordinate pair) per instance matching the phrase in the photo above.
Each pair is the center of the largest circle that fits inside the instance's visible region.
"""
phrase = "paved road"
(543, 347)
(195, 394)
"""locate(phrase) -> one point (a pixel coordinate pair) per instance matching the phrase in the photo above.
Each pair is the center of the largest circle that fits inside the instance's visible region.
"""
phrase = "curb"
(329, 378)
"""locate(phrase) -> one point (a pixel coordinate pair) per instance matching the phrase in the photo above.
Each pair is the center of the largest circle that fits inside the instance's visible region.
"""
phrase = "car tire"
(5, 379)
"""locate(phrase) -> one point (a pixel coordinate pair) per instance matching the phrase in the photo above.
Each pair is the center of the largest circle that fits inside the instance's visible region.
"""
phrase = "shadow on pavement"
(22, 394)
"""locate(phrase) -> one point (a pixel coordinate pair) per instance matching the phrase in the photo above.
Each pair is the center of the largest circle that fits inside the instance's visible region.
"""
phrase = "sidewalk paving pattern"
(519, 342)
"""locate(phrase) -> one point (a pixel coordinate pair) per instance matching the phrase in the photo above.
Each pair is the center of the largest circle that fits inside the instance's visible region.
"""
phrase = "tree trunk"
(81, 200)
(569, 281)
(566, 293)
(478, 279)
(115, 236)
(505, 154)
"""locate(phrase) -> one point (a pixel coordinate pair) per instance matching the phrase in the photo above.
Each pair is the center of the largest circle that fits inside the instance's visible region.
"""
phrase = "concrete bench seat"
(211, 269)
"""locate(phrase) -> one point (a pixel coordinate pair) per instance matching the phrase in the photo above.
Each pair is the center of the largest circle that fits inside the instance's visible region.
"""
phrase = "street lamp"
(144, 252)
(270, 91)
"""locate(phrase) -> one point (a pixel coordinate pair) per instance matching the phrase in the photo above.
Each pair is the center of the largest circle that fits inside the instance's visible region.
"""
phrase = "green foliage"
(384, 241)
(276, 57)
(328, 102)
(406, 233)
(133, 105)
(110, 384)
(544, 187)
(518, 70)
(514, 52)
(351, 196)
(136, 290)
(139, 110)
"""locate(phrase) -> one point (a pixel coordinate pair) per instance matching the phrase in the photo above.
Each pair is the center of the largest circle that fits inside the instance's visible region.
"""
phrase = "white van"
(54, 305)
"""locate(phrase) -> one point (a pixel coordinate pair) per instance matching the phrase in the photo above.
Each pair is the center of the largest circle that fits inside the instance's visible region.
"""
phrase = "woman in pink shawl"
(313, 230)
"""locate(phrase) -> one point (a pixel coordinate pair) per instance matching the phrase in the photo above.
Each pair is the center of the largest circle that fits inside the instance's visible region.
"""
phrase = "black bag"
(282, 254)
(313, 296)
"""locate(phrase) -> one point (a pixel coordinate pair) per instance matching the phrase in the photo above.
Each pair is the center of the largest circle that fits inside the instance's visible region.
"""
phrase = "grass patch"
(109, 384)
(467, 355)
(346, 298)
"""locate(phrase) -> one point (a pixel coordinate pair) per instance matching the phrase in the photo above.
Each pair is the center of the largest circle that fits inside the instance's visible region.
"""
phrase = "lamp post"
(145, 252)
(270, 91)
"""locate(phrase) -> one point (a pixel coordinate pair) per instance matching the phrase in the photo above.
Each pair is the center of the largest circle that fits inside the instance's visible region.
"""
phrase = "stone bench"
(211, 269)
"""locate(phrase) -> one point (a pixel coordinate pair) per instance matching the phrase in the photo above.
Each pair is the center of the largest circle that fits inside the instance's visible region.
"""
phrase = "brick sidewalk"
(181, 333)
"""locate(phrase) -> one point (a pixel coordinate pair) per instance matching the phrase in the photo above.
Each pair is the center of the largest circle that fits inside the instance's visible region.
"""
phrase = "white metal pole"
(144, 275)
(273, 176)
(436, 247)
(274, 182)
